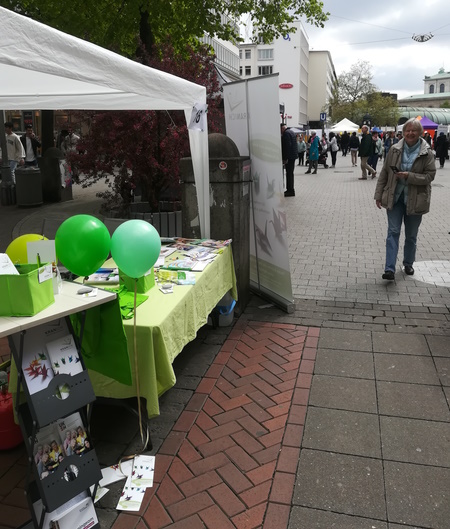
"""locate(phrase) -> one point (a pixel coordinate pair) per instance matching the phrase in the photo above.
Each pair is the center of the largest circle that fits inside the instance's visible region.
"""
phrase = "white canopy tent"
(43, 68)
(345, 125)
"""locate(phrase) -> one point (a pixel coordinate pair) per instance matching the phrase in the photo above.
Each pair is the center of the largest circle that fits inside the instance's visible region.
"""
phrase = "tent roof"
(343, 125)
(47, 69)
(427, 123)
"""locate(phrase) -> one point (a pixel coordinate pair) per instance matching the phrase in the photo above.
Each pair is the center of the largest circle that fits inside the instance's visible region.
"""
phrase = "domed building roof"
(440, 116)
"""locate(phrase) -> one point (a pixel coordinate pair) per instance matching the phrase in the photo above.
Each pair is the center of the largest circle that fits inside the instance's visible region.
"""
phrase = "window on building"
(266, 54)
(432, 89)
(248, 54)
(248, 70)
(240, 54)
(265, 70)
(441, 88)
(240, 71)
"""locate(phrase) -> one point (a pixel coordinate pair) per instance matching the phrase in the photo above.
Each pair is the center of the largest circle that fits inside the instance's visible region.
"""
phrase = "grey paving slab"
(417, 495)
(343, 393)
(443, 368)
(401, 343)
(303, 517)
(346, 432)
(415, 441)
(345, 340)
(340, 483)
(405, 368)
(344, 363)
(412, 400)
(397, 526)
(439, 345)
(447, 394)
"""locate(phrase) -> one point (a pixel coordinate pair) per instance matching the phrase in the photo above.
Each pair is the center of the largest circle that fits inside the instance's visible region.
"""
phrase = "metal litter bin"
(28, 186)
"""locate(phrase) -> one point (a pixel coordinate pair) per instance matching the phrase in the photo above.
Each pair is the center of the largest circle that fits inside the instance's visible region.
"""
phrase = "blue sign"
(323, 116)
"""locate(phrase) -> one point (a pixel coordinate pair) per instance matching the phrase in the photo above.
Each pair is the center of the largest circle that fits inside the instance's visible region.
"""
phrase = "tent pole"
(6, 169)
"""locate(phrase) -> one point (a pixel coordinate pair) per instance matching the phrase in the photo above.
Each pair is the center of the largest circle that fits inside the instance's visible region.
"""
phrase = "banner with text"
(252, 121)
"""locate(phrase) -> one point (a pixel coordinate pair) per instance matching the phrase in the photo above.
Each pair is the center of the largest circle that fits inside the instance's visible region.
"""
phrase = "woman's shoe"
(389, 275)
(409, 270)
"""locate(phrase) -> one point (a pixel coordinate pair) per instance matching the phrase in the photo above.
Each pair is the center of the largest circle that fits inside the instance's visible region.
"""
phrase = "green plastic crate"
(23, 295)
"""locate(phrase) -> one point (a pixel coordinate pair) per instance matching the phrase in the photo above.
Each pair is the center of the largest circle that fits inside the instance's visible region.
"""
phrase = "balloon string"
(136, 369)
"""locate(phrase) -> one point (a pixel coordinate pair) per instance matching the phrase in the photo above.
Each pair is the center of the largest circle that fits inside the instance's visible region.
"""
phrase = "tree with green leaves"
(120, 25)
(138, 152)
(355, 95)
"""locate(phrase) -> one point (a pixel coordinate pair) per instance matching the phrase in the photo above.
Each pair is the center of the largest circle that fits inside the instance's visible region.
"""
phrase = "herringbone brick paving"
(231, 458)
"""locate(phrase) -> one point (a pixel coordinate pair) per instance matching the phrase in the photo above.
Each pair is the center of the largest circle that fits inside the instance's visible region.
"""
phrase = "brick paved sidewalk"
(230, 461)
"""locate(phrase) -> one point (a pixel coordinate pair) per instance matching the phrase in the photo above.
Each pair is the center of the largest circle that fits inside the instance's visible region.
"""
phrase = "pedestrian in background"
(365, 151)
(31, 145)
(333, 148)
(441, 149)
(289, 154)
(345, 139)
(389, 141)
(377, 150)
(313, 153)
(15, 150)
(404, 189)
(301, 147)
(354, 147)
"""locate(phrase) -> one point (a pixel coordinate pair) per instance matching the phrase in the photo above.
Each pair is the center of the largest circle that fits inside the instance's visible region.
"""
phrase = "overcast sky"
(380, 32)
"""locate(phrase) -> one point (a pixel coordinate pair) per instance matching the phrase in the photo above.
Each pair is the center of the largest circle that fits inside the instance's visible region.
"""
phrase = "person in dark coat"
(442, 148)
(345, 138)
(365, 151)
(31, 145)
(289, 153)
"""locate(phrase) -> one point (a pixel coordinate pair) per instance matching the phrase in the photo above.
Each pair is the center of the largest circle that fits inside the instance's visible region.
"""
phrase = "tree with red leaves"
(138, 152)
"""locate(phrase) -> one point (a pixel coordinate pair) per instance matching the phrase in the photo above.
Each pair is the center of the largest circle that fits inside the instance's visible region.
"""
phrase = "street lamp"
(367, 120)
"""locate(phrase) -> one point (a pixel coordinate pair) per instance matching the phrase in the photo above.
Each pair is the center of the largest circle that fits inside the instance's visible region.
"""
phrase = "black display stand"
(43, 408)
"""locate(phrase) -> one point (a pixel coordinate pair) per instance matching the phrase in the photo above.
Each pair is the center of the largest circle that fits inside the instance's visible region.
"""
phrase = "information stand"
(46, 408)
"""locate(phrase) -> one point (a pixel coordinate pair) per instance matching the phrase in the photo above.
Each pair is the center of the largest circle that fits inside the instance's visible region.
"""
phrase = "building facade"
(288, 56)
(436, 92)
(322, 79)
(227, 54)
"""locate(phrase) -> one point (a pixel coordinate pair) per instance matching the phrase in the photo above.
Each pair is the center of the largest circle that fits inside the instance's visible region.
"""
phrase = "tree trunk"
(145, 34)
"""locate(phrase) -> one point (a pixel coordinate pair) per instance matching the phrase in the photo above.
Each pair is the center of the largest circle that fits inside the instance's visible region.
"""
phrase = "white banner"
(253, 122)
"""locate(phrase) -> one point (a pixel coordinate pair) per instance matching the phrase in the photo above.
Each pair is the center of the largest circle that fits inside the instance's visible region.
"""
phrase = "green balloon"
(135, 247)
(82, 244)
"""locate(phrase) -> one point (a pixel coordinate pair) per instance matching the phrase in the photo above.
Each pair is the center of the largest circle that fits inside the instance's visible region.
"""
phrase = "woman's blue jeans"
(396, 216)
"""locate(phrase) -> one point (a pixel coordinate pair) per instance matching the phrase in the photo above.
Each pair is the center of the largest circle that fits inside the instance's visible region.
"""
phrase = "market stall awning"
(345, 125)
(45, 69)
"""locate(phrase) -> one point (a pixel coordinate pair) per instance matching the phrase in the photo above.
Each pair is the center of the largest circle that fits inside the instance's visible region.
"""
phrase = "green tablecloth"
(165, 323)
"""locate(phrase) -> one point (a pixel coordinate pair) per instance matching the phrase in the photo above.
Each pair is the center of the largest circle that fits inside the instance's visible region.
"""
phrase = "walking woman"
(313, 153)
(404, 189)
(354, 146)
(334, 147)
